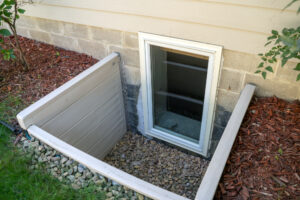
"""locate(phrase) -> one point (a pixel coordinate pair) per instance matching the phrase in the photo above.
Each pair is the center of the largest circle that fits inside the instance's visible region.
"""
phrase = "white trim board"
(216, 166)
(213, 52)
(103, 168)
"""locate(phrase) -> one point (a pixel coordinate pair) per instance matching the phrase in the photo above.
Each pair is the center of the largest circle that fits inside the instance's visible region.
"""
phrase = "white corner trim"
(103, 168)
(216, 166)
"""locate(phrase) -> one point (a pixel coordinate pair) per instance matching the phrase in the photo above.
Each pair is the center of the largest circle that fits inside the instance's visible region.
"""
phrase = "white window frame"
(214, 53)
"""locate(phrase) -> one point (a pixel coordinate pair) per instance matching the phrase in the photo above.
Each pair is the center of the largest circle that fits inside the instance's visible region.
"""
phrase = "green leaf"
(269, 68)
(298, 77)
(297, 68)
(268, 43)
(4, 32)
(264, 74)
(260, 65)
(21, 10)
(272, 37)
(283, 61)
(260, 54)
(258, 71)
(8, 7)
(280, 151)
(274, 32)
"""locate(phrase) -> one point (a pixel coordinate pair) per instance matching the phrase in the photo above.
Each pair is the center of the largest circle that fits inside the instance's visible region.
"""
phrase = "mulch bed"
(50, 67)
(265, 160)
(159, 164)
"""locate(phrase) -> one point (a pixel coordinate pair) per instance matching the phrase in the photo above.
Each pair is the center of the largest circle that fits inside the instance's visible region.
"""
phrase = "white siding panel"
(87, 112)
(63, 97)
(237, 25)
(226, 15)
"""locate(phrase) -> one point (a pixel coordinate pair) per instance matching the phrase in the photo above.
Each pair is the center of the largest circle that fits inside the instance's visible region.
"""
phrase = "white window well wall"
(179, 86)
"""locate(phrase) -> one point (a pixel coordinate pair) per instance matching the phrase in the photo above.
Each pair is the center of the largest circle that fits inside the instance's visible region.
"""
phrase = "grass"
(9, 108)
(17, 180)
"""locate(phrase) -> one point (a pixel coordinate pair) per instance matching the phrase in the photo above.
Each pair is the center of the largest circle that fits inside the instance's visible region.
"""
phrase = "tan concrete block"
(50, 26)
(23, 32)
(231, 80)
(106, 35)
(129, 57)
(287, 73)
(93, 48)
(76, 30)
(25, 21)
(40, 36)
(242, 61)
(270, 87)
(132, 75)
(227, 99)
(131, 40)
(65, 42)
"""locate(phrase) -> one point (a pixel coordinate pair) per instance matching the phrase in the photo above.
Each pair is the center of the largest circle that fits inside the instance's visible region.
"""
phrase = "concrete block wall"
(237, 67)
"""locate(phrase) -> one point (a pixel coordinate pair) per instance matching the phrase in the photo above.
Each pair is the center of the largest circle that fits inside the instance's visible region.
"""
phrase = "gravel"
(71, 172)
(160, 164)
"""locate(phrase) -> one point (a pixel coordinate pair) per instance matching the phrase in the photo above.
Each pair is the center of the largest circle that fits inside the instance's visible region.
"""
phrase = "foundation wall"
(238, 65)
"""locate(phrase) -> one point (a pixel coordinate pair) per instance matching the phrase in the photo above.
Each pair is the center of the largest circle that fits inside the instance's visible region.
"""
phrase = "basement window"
(179, 83)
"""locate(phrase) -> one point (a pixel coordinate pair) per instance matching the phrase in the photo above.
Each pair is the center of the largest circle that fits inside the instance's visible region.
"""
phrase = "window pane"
(178, 87)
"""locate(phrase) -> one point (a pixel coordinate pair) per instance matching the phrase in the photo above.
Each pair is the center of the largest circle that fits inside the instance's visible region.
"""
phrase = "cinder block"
(231, 80)
(241, 61)
(25, 21)
(93, 48)
(227, 99)
(40, 36)
(76, 30)
(270, 87)
(23, 32)
(132, 75)
(50, 26)
(65, 42)
(287, 73)
(106, 35)
(131, 40)
(129, 56)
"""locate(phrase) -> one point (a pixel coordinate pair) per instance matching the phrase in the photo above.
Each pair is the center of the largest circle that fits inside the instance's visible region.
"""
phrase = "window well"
(179, 82)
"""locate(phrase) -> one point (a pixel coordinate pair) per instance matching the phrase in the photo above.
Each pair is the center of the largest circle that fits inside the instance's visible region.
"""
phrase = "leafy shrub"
(285, 45)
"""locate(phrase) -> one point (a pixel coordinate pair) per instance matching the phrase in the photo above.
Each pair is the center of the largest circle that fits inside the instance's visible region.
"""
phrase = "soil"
(265, 160)
(50, 67)
(160, 164)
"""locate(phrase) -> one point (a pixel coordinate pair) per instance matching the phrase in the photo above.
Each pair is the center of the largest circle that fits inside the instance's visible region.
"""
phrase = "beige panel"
(93, 120)
(78, 110)
(94, 117)
(63, 97)
(257, 18)
(230, 38)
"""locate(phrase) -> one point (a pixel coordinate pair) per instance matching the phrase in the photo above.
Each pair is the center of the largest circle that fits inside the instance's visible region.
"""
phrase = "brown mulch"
(265, 160)
(159, 164)
(50, 67)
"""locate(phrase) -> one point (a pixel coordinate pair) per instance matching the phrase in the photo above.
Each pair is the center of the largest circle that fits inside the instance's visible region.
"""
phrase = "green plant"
(9, 13)
(19, 181)
(285, 45)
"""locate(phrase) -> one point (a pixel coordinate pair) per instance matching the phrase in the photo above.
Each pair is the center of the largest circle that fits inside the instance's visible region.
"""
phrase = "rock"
(75, 186)
(69, 162)
(56, 158)
(71, 178)
(114, 183)
(77, 175)
(80, 168)
(89, 175)
(63, 160)
(65, 174)
(109, 194)
(75, 169)
(70, 171)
